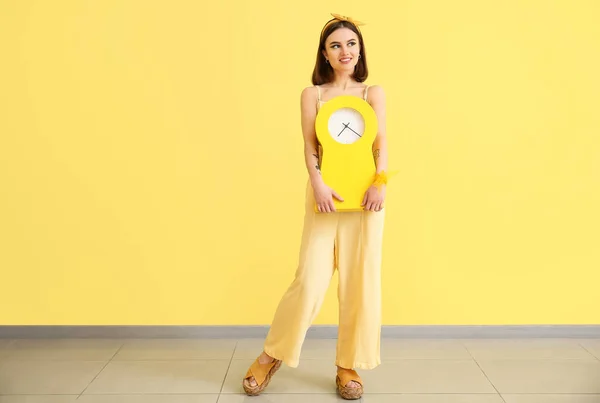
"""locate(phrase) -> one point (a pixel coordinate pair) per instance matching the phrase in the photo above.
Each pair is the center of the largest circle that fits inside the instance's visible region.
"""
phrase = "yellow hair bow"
(349, 19)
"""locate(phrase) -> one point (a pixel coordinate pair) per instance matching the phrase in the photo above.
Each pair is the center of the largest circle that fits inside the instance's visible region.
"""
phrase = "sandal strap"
(259, 371)
(348, 375)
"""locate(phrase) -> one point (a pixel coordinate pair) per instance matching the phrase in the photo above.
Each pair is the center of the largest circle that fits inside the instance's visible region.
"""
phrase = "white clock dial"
(346, 125)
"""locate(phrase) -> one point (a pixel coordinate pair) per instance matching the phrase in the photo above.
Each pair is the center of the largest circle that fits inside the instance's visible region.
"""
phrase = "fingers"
(337, 196)
(368, 203)
(326, 207)
(331, 207)
(373, 205)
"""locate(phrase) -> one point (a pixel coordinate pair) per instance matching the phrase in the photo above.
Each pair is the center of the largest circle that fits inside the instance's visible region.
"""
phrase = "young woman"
(347, 241)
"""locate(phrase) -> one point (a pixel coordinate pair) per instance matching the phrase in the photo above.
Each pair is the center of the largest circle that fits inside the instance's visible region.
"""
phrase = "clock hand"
(342, 130)
(348, 126)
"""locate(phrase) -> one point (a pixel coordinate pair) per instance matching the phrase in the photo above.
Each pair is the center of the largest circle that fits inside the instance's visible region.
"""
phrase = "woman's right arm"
(323, 194)
(311, 152)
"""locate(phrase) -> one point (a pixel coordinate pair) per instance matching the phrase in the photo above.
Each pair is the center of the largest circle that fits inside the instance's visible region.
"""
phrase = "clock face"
(346, 125)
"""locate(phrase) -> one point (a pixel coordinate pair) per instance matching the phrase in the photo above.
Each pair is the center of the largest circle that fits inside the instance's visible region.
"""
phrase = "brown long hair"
(323, 72)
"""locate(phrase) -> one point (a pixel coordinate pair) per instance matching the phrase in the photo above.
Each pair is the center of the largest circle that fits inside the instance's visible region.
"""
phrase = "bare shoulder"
(308, 102)
(309, 94)
(376, 94)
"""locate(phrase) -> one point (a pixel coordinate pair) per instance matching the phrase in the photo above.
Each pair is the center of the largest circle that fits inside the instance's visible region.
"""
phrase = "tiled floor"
(210, 371)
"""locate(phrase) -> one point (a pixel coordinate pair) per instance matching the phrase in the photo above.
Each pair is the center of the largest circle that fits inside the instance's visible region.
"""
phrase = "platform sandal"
(262, 374)
(345, 376)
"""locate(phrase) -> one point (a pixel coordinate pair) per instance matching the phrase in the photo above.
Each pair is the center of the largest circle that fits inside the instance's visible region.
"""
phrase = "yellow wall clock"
(346, 127)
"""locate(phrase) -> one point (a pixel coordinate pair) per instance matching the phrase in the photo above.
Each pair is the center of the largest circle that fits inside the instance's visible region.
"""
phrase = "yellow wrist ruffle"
(381, 178)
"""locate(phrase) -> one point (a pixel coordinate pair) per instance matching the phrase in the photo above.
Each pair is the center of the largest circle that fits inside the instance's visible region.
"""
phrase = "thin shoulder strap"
(366, 89)
(318, 93)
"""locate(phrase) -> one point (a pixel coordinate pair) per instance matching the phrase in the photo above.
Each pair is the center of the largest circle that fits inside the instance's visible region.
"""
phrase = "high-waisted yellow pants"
(350, 242)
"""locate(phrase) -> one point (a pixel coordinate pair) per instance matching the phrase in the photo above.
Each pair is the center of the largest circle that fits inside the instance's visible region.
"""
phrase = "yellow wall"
(151, 166)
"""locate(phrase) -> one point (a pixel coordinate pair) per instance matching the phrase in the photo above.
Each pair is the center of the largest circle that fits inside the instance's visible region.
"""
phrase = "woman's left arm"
(375, 195)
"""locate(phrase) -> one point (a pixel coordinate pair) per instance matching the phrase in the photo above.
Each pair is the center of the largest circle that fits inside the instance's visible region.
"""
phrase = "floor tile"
(47, 377)
(311, 349)
(427, 376)
(544, 398)
(401, 376)
(592, 346)
(172, 398)
(423, 349)
(176, 349)
(432, 398)
(4, 347)
(38, 399)
(64, 349)
(390, 349)
(524, 349)
(543, 376)
(311, 376)
(138, 377)
(283, 398)
(193, 371)
(5, 343)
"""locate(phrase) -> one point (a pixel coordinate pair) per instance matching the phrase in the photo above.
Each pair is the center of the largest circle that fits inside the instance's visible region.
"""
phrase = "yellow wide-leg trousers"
(351, 243)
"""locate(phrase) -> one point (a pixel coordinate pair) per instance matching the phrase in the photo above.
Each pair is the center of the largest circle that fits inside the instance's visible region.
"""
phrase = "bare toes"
(251, 382)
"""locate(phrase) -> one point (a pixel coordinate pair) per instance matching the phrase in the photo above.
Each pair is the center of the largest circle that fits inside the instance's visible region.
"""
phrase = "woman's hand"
(373, 200)
(324, 197)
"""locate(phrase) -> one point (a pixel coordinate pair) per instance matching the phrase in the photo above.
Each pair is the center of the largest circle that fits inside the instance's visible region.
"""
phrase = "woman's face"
(342, 49)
